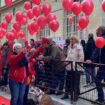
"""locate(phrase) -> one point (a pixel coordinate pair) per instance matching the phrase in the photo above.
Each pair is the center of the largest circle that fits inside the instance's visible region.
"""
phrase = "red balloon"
(36, 10)
(2, 33)
(10, 36)
(71, 19)
(15, 33)
(27, 5)
(87, 6)
(37, 2)
(8, 3)
(100, 42)
(17, 26)
(78, 27)
(8, 17)
(67, 4)
(76, 8)
(103, 5)
(4, 25)
(30, 29)
(54, 25)
(34, 26)
(19, 16)
(24, 21)
(21, 34)
(51, 17)
(30, 14)
(46, 9)
(42, 21)
(25, 15)
(83, 22)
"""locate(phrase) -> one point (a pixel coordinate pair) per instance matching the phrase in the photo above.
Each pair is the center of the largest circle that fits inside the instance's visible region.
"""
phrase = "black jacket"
(89, 49)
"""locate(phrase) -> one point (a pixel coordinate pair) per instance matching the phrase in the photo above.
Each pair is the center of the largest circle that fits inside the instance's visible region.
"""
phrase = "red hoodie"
(17, 73)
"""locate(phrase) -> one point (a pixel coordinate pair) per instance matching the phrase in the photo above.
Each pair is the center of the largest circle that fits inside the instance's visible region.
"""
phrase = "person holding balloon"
(98, 56)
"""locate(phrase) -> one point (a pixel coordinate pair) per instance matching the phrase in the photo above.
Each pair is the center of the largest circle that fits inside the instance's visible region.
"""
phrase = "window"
(14, 11)
(70, 28)
(45, 32)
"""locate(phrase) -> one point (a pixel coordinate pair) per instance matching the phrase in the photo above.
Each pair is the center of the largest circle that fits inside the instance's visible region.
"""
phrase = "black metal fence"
(54, 80)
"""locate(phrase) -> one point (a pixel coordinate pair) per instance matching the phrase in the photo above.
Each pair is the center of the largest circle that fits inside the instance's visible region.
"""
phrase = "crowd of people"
(43, 63)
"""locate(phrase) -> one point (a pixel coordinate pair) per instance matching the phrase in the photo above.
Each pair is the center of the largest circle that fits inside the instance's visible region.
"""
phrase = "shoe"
(100, 102)
(50, 92)
(87, 85)
(93, 84)
(65, 97)
(59, 93)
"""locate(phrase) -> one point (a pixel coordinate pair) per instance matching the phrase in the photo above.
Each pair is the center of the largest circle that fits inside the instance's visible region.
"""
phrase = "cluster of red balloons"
(16, 31)
(86, 7)
(39, 16)
(100, 42)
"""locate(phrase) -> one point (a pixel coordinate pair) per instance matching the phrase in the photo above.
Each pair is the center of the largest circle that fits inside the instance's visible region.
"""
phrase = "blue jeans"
(17, 92)
(90, 75)
(58, 80)
(100, 76)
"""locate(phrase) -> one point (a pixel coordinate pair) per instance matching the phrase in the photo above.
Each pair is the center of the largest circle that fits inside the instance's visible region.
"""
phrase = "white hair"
(17, 45)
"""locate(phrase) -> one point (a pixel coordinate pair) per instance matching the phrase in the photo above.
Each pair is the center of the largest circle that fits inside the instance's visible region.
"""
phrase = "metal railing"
(50, 79)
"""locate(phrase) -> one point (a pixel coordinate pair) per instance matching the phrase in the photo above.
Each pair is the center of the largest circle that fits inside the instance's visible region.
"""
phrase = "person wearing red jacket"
(17, 75)
(6, 51)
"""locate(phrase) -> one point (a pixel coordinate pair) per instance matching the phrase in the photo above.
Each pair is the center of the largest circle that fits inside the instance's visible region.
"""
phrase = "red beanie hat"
(45, 40)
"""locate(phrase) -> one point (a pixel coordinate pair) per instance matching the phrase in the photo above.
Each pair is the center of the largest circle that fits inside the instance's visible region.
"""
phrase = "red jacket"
(17, 73)
(37, 52)
(31, 67)
(9, 53)
(0, 64)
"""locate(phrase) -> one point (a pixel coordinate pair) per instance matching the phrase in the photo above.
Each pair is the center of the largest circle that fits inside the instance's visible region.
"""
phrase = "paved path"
(56, 99)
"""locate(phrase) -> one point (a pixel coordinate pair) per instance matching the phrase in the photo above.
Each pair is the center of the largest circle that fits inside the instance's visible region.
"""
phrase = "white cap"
(17, 45)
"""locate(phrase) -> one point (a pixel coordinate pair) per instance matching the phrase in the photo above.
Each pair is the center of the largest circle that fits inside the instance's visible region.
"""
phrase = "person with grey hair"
(17, 75)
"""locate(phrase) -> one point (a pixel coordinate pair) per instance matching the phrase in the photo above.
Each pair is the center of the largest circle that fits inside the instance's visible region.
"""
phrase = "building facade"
(66, 29)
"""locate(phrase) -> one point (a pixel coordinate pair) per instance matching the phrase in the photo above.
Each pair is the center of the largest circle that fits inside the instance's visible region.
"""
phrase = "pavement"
(56, 99)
